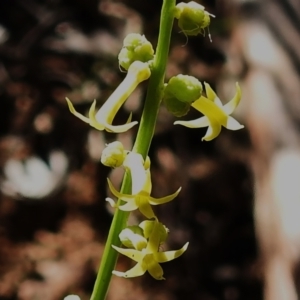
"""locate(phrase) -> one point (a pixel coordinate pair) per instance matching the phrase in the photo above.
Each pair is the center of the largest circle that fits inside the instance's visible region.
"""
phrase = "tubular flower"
(102, 120)
(141, 189)
(215, 114)
(149, 257)
(135, 163)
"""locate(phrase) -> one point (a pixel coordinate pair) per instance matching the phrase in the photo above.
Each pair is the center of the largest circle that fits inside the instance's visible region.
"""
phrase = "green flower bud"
(148, 227)
(192, 17)
(180, 93)
(184, 88)
(176, 107)
(135, 47)
(113, 155)
(132, 237)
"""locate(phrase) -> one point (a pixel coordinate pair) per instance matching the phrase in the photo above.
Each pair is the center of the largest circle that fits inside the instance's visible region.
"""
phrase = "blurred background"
(240, 201)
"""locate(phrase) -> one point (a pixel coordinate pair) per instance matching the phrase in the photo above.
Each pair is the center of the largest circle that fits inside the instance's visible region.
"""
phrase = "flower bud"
(176, 107)
(113, 155)
(180, 93)
(192, 17)
(184, 88)
(135, 47)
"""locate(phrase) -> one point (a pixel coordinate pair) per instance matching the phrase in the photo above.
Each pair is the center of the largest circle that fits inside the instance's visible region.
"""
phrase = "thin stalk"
(156, 82)
(142, 145)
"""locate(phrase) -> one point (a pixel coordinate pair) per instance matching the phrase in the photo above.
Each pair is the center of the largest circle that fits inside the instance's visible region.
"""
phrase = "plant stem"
(156, 82)
(142, 145)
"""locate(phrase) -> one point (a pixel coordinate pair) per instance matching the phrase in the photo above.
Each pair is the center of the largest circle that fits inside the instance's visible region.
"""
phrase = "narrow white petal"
(197, 123)
(234, 102)
(137, 270)
(233, 124)
(111, 202)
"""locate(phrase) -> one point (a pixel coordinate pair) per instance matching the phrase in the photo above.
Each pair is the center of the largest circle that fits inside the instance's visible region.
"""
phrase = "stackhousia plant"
(142, 242)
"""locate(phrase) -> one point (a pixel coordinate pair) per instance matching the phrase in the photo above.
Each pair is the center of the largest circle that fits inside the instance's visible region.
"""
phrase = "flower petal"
(135, 163)
(234, 102)
(210, 109)
(154, 269)
(120, 128)
(138, 270)
(211, 95)
(131, 253)
(233, 124)
(75, 113)
(111, 202)
(157, 201)
(162, 257)
(212, 132)
(105, 124)
(147, 184)
(197, 123)
(145, 208)
(129, 206)
(92, 116)
(125, 197)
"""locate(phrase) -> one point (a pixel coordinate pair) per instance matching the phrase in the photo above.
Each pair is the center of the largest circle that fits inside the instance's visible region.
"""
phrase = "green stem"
(142, 145)
(156, 82)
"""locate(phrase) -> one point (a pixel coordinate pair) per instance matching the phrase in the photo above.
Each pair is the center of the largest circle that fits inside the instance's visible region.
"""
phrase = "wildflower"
(215, 114)
(149, 257)
(102, 120)
(141, 187)
(33, 178)
(142, 199)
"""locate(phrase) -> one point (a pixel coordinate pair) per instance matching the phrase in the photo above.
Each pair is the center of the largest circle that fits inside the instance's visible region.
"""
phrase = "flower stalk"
(143, 242)
(142, 145)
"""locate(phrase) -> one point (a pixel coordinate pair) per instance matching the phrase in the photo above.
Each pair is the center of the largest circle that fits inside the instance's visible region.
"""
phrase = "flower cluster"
(102, 120)
(135, 57)
(143, 242)
(144, 249)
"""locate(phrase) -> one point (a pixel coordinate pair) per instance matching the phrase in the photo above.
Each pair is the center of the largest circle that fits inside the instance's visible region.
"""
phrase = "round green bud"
(192, 17)
(135, 47)
(176, 107)
(113, 155)
(132, 237)
(184, 88)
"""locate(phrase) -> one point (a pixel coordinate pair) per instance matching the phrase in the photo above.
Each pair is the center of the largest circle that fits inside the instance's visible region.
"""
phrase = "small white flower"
(33, 178)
